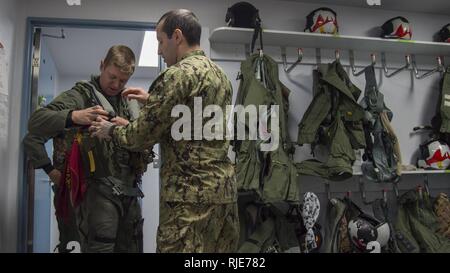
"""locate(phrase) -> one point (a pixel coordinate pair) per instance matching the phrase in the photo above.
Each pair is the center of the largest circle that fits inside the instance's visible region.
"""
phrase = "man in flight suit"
(104, 189)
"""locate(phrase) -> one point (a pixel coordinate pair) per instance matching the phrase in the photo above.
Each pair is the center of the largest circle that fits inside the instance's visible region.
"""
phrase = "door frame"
(31, 24)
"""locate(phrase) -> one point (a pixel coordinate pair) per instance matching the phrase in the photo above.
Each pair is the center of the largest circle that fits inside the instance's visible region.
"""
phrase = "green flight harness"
(382, 160)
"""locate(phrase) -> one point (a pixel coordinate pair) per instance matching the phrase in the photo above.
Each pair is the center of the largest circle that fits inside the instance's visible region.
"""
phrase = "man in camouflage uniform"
(109, 214)
(198, 208)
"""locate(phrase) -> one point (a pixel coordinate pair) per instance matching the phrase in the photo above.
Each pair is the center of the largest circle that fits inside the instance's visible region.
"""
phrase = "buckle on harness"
(117, 190)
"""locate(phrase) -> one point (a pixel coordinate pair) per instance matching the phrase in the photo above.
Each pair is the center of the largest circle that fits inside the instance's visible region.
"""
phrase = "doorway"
(59, 53)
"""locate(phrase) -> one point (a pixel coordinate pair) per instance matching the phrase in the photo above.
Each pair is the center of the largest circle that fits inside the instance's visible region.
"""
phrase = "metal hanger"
(352, 63)
(299, 59)
(440, 68)
(406, 66)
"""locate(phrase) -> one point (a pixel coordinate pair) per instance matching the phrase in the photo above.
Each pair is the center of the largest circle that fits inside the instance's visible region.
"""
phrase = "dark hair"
(186, 21)
(122, 57)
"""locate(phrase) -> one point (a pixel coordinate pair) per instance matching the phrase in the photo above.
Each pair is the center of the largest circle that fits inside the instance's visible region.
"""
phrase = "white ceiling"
(80, 53)
(427, 6)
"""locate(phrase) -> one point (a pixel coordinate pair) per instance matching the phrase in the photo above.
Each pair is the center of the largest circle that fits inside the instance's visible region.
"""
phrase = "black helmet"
(242, 14)
(396, 28)
(322, 20)
(444, 34)
(245, 15)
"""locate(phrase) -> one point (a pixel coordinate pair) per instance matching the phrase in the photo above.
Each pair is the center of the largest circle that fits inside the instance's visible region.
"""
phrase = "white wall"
(8, 200)
(402, 94)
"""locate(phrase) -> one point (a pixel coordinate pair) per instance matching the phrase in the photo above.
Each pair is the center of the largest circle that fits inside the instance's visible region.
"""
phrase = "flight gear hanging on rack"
(417, 225)
(322, 20)
(396, 28)
(245, 15)
(310, 213)
(367, 234)
(333, 119)
(266, 229)
(271, 175)
(350, 230)
(382, 159)
(441, 121)
(382, 213)
(441, 207)
(442, 210)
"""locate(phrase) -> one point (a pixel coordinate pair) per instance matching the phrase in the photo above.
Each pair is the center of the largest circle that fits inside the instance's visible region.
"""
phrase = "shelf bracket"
(406, 66)
(440, 68)
(283, 57)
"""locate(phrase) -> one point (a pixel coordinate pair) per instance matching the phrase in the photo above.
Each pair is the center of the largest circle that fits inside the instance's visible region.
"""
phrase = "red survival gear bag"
(73, 182)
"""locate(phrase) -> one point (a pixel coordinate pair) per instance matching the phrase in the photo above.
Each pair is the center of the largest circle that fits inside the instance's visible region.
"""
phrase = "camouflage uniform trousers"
(108, 222)
(197, 228)
(442, 210)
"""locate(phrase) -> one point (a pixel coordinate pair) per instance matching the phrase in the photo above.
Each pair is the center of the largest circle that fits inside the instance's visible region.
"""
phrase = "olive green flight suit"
(333, 119)
(109, 216)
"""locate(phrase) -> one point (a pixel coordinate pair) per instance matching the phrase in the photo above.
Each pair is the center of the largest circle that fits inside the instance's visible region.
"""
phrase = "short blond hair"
(122, 57)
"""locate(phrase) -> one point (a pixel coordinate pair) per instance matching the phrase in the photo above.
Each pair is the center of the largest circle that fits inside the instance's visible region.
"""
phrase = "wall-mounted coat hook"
(439, 68)
(352, 63)
(384, 193)
(337, 55)
(406, 66)
(395, 188)
(420, 192)
(283, 57)
(261, 53)
(363, 192)
(425, 183)
(327, 190)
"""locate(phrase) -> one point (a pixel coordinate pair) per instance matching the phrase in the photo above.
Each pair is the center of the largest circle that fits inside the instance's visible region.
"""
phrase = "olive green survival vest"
(417, 225)
(271, 175)
(382, 154)
(102, 159)
(335, 120)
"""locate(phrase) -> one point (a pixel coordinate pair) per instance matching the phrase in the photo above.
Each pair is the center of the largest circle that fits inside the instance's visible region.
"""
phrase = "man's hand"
(119, 121)
(55, 176)
(101, 129)
(135, 93)
(88, 115)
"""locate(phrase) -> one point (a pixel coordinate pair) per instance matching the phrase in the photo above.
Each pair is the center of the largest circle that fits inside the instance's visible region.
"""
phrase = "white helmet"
(322, 20)
(435, 155)
(364, 231)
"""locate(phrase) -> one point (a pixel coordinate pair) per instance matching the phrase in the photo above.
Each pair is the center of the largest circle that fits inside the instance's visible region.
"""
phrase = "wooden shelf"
(326, 41)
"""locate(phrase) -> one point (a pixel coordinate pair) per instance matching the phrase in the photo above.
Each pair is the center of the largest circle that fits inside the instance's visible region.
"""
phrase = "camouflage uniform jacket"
(194, 171)
(50, 122)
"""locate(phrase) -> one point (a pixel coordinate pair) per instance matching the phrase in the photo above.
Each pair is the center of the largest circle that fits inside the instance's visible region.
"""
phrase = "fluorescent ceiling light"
(149, 50)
